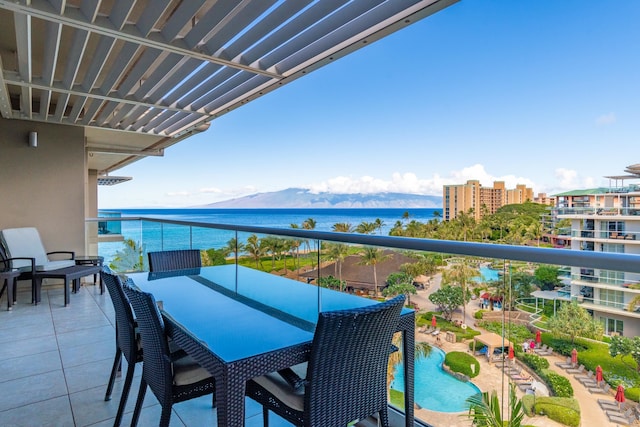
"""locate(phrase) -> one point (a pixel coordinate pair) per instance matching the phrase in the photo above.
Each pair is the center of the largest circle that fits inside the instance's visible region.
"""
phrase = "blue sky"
(537, 92)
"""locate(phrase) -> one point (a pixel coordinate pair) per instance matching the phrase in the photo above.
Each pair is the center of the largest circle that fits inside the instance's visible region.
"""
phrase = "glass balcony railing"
(496, 276)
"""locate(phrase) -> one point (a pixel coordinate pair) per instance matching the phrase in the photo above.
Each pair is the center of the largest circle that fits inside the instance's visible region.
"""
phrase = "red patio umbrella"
(433, 321)
(620, 394)
(598, 374)
(511, 353)
(574, 357)
(538, 337)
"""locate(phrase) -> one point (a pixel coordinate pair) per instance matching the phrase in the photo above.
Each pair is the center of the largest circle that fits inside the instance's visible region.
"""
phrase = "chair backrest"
(347, 371)
(24, 242)
(125, 321)
(174, 260)
(156, 366)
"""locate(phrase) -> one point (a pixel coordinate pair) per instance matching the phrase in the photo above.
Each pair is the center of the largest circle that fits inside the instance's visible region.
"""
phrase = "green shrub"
(560, 386)
(535, 362)
(461, 362)
(478, 314)
(632, 393)
(396, 398)
(558, 411)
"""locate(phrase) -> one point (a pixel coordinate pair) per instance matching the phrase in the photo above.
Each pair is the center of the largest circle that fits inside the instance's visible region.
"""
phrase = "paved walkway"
(492, 378)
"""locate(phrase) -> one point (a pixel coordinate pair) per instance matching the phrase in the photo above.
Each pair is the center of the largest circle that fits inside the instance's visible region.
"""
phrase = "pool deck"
(492, 378)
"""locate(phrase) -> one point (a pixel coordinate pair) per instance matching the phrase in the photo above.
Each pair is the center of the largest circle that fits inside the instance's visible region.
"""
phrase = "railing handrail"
(601, 260)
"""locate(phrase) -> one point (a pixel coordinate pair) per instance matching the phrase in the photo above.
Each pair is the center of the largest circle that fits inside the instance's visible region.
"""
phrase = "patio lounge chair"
(338, 390)
(24, 246)
(8, 280)
(602, 390)
(626, 417)
(587, 380)
(610, 405)
(541, 349)
(578, 370)
(565, 365)
(546, 352)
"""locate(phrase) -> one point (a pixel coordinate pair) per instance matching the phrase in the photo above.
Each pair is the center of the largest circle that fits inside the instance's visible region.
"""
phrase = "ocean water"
(155, 236)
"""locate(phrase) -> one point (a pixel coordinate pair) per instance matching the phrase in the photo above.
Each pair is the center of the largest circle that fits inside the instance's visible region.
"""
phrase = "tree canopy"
(573, 321)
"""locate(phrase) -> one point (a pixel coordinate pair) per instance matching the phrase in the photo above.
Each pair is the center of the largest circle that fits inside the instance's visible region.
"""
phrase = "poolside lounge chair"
(578, 370)
(436, 332)
(522, 377)
(565, 365)
(546, 352)
(541, 349)
(607, 404)
(602, 390)
(626, 417)
(587, 380)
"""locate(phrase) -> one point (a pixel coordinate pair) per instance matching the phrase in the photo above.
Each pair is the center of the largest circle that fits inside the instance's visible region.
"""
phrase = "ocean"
(153, 236)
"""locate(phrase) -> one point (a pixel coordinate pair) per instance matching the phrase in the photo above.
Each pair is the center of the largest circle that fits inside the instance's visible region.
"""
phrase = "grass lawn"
(424, 319)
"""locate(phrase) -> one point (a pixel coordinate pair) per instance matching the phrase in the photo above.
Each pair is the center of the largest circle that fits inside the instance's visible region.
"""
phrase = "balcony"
(58, 358)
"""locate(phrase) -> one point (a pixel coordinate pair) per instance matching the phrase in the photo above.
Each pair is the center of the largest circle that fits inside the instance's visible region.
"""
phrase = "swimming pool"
(487, 274)
(435, 389)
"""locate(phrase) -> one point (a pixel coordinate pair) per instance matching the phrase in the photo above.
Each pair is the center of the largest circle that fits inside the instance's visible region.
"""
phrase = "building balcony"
(57, 359)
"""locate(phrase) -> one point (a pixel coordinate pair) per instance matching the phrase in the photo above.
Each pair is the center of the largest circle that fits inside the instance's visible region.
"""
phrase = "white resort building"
(606, 220)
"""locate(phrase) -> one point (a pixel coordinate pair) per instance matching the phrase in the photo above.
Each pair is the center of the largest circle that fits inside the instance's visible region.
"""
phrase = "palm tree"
(484, 410)
(337, 252)
(233, 247)
(461, 274)
(309, 224)
(342, 227)
(373, 256)
(366, 227)
(379, 224)
(255, 249)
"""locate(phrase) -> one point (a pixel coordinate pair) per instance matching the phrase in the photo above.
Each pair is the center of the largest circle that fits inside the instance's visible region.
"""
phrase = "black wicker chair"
(346, 376)
(127, 339)
(174, 260)
(171, 382)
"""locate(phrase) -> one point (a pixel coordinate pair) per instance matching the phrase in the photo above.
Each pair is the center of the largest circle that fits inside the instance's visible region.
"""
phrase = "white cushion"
(24, 242)
(282, 390)
(55, 265)
(187, 371)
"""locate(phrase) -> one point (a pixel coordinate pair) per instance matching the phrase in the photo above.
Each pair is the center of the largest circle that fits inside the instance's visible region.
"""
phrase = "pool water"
(487, 275)
(435, 389)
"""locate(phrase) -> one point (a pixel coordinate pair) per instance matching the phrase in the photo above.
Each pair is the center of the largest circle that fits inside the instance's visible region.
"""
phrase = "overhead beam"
(129, 33)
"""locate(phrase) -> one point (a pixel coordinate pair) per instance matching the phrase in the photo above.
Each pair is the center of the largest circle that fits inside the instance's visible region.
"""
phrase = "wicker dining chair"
(174, 260)
(127, 339)
(171, 381)
(346, 376)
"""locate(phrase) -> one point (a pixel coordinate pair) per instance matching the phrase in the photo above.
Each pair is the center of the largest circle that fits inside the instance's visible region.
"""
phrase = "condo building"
(605, 220)
(472, 195)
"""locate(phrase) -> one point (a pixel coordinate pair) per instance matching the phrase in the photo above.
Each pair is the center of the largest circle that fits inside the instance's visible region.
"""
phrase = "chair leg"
(265, 416)
(138, 408)
(165, 417)
(125, 393)
(384, 418)
(114, 371)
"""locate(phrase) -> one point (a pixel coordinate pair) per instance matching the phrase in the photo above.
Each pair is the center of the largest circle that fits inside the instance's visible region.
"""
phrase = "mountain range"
(303, 198)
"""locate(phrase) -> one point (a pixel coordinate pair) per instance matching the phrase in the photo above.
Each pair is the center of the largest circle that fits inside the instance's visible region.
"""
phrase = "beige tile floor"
(55, 363)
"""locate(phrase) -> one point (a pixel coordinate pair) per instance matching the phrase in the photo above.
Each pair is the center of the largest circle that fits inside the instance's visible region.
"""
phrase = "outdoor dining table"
(240, 323)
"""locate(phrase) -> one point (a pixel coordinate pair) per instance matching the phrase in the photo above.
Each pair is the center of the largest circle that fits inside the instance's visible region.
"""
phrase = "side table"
(96, 261)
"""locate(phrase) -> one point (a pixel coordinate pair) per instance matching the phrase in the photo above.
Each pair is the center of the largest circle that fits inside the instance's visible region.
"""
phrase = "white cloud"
(178, 194)
(569, 179)
(409, 182)
(210, 190)
(606, 119)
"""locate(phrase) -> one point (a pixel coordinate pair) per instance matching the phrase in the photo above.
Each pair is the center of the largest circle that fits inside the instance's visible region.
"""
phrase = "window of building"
(614, 326)
(611, 277)
(612, 298)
